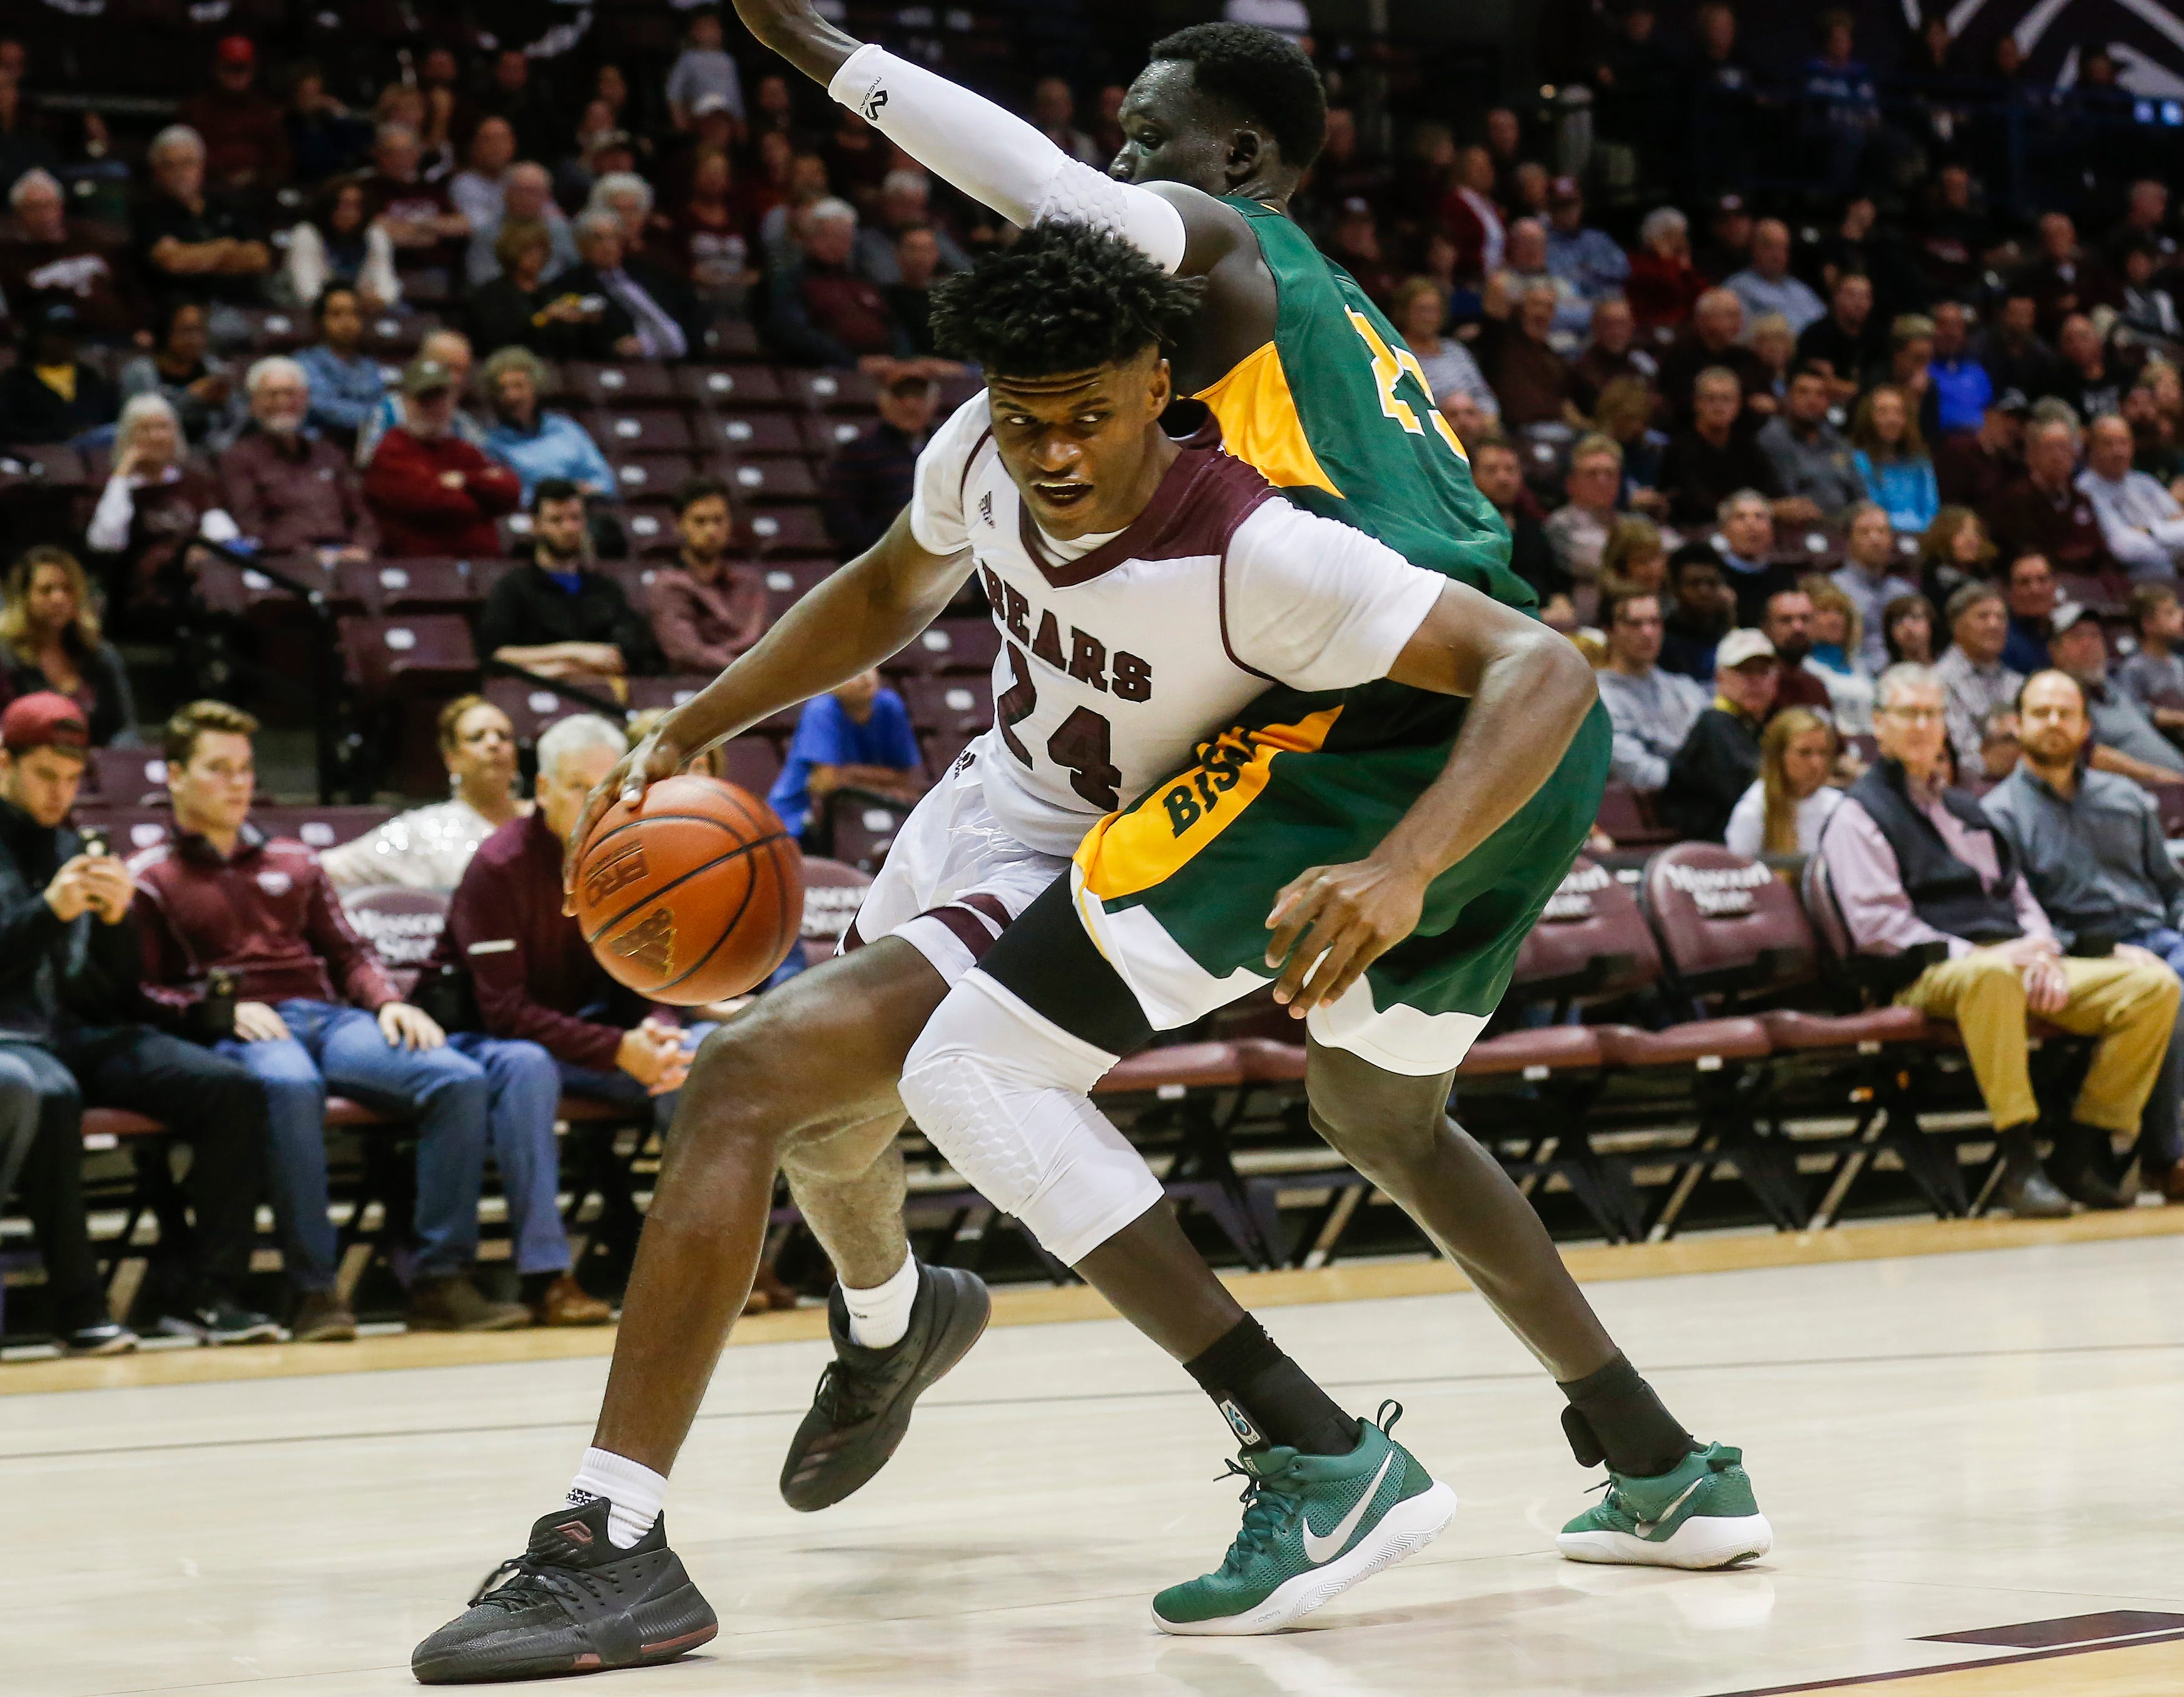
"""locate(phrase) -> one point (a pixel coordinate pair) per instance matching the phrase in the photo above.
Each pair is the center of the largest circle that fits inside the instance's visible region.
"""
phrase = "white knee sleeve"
(1004, 1093)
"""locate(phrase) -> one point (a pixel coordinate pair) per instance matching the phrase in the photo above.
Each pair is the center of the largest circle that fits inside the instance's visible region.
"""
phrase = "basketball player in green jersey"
(1314, 388)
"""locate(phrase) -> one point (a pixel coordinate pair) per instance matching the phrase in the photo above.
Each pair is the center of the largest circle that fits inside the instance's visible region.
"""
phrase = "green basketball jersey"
(1336, 413)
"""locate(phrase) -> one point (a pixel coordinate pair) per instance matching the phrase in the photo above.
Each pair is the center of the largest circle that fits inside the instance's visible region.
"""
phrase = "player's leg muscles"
(1001, 1080)
(811, 1061)
(1396, 1130)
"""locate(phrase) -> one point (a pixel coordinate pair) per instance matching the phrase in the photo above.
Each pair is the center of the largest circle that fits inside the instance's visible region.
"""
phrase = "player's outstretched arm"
(989, 154)
(851, 622)
(1531, 690)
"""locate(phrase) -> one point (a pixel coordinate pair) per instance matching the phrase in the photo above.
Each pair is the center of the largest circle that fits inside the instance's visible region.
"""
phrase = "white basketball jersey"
(1119, 654)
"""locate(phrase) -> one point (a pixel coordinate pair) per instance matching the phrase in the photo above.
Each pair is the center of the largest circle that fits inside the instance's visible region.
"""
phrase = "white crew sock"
(635, 1491)
(879, 1317)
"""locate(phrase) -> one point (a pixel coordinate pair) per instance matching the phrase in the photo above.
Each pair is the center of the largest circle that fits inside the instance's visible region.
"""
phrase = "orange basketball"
(693, 895)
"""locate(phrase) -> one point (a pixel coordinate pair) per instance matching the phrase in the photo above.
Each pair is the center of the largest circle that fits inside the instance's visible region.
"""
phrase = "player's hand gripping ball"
(695, 894)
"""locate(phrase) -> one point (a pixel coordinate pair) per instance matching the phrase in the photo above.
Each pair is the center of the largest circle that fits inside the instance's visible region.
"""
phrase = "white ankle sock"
(635, 1491)
(879, 1317)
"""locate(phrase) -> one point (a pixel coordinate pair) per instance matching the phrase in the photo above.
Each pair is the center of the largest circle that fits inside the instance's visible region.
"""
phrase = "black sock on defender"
(1615, 1416)
(1267, 1398)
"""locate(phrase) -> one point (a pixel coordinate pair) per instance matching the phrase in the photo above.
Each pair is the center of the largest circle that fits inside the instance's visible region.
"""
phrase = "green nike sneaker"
(1376, 1506)
(1700, 1514)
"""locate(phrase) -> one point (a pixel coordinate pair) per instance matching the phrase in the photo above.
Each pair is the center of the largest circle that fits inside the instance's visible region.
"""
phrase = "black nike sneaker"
(861, 1408)
(572, 1603)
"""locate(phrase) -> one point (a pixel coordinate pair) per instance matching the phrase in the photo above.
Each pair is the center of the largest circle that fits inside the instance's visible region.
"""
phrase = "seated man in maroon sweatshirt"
(534, 976)
(315, 1011)
(432, 492)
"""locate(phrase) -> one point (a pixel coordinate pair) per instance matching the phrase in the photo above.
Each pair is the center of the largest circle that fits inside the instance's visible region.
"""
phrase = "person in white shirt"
(428, 847)
(2139, 521)
(702, 68)
(1783, 811)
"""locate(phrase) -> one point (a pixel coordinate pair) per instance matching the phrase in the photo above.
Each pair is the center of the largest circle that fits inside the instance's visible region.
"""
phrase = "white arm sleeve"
(1319, 606)
(936, 494)
(997, 159)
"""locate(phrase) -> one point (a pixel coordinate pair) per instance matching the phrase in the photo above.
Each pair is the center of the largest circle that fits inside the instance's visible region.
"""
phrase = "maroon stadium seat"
(750, 764)
(751, 435)
(319, 828)
(127, 777)
(729, 388)
(650, 527)
(639, 430)
(646, 476)
(832, 893)
(403, 926)
(531, 708)
(671, 691)
(391, 586)
(793, 530)
(765, 480)
(844, 391)
(823, 436)
(416, 648)
(950, 646)
(616, 385)
(962, 704)
(864, 829)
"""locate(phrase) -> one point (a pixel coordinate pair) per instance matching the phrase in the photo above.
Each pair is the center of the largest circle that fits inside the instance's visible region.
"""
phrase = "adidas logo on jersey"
(986, 508)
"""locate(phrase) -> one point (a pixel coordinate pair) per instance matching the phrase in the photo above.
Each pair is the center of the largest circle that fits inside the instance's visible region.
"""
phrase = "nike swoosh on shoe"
(1646, 1528)
(1318, 1549)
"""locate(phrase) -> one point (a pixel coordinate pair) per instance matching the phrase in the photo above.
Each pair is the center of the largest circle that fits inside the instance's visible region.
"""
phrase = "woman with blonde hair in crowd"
(428, 847)
(1783, 811)
(1837, 631)
(1420, 309)
(1770, 337)
(1955, 549)
(50, 628)
(1624, 414)
(1891, 458)
(1635, 557)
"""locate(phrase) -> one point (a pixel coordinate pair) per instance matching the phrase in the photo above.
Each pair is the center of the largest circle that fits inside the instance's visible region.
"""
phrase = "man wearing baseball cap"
(1720, 758)
(245, 136)
(70, 1037)
(433, 492)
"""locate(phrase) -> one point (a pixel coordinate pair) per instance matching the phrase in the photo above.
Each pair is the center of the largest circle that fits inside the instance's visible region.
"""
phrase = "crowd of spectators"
(1864, 495)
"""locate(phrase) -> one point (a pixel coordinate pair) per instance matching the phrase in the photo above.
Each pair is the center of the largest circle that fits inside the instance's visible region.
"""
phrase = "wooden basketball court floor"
(1971, 1459)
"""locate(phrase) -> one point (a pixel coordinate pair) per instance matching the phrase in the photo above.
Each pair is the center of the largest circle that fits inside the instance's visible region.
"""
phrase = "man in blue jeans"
(2092, 847)
(314, 1011)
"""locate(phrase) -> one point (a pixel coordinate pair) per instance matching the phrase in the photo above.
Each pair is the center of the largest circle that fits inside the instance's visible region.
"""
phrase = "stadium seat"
(731, 339)
(402, 927)
(1627, 820)
(419, 649)
(127, 777)
(950, 645)
(129, 830)
(788, 530)
(842, 391)
(52, 466)
(766, 480)
(530, 707)
(962, 705)
(823, 436)
(650, 529)
(724, 388)
(227, 587)
(616, 385)
(639, 430)
(751, 435)
(832, 893)
(864, 827)
(646, 475)
(393, 586)
(319, 828)
(670, 691)
(750, 764)
(941, 750)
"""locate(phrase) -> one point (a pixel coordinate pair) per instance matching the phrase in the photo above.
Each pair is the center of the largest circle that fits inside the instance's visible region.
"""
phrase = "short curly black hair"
(1263, 75)
(1065, 298)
